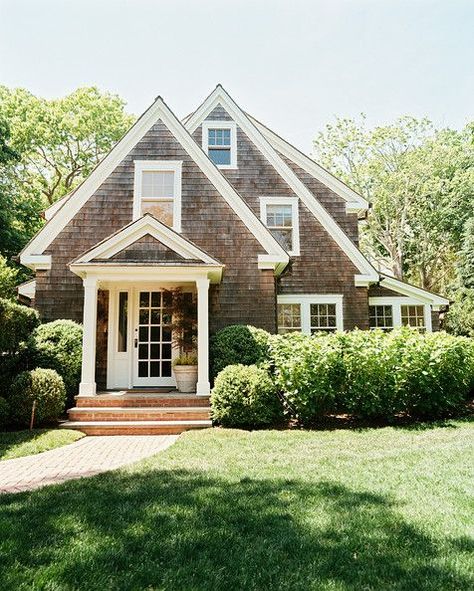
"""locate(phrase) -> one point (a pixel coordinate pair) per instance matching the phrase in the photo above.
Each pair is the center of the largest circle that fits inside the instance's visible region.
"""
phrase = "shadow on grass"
(184, 530)
(11, 439)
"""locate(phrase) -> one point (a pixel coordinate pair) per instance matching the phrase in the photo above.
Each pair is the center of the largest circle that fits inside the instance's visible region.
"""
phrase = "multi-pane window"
(157, 195)
(219, 146)
(323, 317)
(413, 316)
(279, 221)
(381, 317)
(154, 335)
(289, 318)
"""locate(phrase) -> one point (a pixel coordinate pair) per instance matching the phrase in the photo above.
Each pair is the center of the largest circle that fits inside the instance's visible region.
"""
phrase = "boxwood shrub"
(45, 386)
(16, 324)
(245, 396)
(58, 345)
(238, 343)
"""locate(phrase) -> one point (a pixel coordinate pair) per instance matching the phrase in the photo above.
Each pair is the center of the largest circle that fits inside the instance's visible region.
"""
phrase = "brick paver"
(86, 457)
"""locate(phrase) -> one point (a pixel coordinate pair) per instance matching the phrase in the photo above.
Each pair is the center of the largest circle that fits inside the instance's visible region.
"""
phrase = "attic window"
(280, 215)
(158, 191)
(219, 139)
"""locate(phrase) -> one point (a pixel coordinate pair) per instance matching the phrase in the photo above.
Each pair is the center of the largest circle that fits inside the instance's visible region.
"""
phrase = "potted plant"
(183, 311)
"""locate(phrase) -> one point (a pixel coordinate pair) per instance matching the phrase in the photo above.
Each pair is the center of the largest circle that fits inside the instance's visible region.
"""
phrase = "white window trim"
(305, 300)
(294, 202)
(158, 165)
(207, 125)
(397, 304)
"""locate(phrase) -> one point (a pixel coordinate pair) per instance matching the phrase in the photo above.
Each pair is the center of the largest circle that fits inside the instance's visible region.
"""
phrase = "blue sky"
(294, 64)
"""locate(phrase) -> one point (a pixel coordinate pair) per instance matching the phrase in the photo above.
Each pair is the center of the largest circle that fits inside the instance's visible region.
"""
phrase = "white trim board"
(354, 201)
(206, 126)
(421, 295)
(158, 111)
(220, 97)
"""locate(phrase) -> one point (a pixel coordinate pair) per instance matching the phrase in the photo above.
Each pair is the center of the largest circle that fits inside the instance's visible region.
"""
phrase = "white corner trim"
(174, 166)
(418, 293)
(136, 230)
(157, 111)
(397, 302)
(305, 301)
(220, 97)
(294, 202)
(207, 125)
(355, 202)
(37, 262)
(27, 289)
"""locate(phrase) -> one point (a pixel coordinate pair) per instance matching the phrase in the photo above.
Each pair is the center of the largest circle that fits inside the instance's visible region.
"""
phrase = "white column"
(203, 387)
(87, 387)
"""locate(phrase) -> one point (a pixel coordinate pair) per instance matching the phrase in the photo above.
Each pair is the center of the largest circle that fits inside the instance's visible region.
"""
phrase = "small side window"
(122, 322)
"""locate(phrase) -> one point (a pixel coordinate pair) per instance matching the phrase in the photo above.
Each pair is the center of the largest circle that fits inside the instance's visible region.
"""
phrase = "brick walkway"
(86, 457)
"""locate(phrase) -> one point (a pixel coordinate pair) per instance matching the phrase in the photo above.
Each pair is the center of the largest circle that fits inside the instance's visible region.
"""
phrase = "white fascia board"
(53, 209)
(136, 273)
(158, 111)
(415, 292)
(355, 202)
(27, 289)
(37, 262)
(277, 263)
(219, 96)
(143, 226)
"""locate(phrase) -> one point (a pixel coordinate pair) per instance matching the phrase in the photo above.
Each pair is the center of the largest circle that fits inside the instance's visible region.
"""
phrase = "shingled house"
(220, 205)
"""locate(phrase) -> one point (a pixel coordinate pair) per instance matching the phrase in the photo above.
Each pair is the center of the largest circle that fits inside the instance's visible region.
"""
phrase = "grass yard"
(376, 509)
(15, 444)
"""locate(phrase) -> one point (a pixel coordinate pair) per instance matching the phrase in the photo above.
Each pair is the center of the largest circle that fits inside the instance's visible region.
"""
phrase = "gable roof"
(409, 290)
(219, 96)
(158, 111)
(354, 201)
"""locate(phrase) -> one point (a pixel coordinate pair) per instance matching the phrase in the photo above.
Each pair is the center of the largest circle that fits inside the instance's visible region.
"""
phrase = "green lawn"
(376, 509)
(26, 443)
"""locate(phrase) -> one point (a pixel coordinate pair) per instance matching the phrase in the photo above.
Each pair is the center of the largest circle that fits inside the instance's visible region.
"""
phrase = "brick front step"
(131, 400)
(171, 413)
(135, 427)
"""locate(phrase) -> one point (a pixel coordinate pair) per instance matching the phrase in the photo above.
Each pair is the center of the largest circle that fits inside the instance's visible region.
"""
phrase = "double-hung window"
(219, 141)
(310, 313)
(158, 191)
(280, 215)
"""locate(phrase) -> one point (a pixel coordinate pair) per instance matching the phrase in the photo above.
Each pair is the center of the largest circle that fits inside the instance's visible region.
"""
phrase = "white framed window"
(157, 190)
(310, 313)
(219, 141)
(280, 216)
(393, 312)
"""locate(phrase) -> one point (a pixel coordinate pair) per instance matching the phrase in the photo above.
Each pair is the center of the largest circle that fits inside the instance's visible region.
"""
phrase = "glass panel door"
(153, 340)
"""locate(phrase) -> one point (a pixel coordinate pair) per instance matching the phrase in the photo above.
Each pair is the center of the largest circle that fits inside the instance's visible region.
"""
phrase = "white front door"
(152, 339)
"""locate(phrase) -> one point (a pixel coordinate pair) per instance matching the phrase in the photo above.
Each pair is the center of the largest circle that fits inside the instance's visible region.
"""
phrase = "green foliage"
(237, 344)
(45, 386)
(244, 396)
(309, 371)
(16, 324)
(466, 259)
(8, 279)
(373, 374)
(58, 345)
(459, 319)
(4, 413)
(186, 359)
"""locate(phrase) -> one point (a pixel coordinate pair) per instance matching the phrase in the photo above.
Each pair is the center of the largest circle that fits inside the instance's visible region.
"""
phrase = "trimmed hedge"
(16, 324)
(236, 344)
(58, 345)
(45, 386)
(245, 396)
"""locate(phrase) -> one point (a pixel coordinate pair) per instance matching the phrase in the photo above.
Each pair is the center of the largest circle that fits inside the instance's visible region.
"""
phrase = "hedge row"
(371, 375)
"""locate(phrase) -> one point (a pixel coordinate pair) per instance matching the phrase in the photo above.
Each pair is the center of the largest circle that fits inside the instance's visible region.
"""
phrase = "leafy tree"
(420, 182)
(61, 140)
(466, 266)
(8, 279)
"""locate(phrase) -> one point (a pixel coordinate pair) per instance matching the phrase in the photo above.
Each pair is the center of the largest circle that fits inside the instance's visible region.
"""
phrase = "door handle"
(135, 342)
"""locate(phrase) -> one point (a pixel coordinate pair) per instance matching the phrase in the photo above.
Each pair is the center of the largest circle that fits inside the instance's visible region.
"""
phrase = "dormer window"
(158, 191)
(280, 216)
(219, 141)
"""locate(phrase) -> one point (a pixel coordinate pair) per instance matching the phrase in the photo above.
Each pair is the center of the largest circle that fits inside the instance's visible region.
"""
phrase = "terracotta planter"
(186, 377)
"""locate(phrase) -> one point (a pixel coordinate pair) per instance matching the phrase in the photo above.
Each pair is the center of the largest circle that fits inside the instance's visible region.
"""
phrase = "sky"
(293, 64)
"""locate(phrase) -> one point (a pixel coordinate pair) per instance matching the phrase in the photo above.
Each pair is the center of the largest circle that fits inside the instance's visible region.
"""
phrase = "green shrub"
(16, 324)
(244, 396)
(238, 344)
(45, 386)
(58, 345)
(308, 371)
(4, 413)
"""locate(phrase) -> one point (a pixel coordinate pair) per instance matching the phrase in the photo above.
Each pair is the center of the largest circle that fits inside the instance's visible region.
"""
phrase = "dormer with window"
(280, 216)
(157, 191)
(219, 141)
